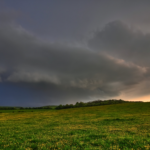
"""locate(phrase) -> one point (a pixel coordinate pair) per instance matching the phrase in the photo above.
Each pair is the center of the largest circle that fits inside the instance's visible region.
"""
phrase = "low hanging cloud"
(69, 73)
(123, 41)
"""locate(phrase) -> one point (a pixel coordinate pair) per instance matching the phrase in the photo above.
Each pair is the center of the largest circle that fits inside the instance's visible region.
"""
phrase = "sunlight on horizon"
(142, 98)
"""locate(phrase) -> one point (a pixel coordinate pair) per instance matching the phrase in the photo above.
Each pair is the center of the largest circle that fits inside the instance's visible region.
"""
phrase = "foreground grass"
(119, 126)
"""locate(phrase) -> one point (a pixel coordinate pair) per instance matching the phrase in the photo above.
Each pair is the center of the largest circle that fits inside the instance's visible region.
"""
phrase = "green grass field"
(118, 126)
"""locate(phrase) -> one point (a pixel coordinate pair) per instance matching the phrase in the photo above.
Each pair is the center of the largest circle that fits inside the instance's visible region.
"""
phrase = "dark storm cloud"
(61, 72)
(8, 16)
(73, 20)
(123, 41)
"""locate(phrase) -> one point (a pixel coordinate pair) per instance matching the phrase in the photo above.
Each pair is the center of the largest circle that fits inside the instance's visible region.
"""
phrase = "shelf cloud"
(123, 41)
(34, 71)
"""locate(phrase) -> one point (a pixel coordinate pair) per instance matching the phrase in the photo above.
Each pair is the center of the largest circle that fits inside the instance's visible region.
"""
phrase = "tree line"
(18, 108)
(93, 103)
(78, 104)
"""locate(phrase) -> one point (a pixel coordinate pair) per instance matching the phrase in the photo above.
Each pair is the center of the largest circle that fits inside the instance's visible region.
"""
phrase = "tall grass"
(119, 126)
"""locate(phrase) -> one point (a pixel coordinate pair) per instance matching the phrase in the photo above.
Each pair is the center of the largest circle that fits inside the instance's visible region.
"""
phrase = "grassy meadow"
(109, 127)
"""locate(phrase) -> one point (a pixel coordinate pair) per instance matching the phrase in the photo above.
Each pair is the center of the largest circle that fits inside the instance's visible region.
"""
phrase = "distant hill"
(78, 104)
(94, 103)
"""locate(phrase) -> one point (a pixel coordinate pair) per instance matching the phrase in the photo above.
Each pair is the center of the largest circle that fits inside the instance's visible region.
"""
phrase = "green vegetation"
(93, 103)
(20, 108)
(117, 126)
(78, 104)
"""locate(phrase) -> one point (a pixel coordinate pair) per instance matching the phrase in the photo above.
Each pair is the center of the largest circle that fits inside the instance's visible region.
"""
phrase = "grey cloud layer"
(68, 72)
(122, 41)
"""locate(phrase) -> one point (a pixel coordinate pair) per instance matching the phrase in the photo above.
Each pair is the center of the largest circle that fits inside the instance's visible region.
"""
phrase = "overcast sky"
(61, 52)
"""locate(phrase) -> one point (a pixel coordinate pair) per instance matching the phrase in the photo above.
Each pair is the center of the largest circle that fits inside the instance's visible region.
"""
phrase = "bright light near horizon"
(142, 98)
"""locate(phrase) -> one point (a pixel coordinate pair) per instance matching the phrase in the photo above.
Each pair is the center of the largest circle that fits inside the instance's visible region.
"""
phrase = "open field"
(118, 126)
